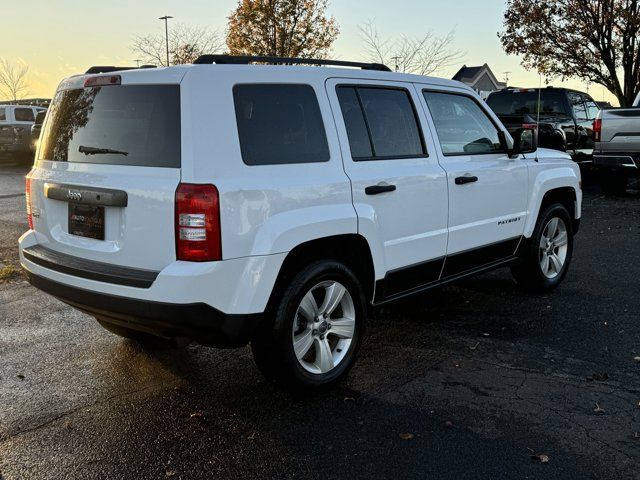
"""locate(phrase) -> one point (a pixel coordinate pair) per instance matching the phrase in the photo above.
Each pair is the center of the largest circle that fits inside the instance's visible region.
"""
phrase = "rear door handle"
(377, 189)
(466, 179)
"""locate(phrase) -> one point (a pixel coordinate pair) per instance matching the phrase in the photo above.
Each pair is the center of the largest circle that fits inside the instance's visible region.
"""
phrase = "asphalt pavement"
(478, 380)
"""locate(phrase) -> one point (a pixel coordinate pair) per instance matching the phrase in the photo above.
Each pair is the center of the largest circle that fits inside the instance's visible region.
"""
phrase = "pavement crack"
(74, 411)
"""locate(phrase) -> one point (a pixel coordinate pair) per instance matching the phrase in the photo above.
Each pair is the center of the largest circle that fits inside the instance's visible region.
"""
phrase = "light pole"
(166, 33)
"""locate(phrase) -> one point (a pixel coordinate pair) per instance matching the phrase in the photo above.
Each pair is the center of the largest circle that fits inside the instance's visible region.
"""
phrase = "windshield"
(521, 103)
(94, 125)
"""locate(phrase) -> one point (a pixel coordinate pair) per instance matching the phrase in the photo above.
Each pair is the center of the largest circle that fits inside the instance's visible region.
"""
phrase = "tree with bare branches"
(594, 41)
(423, 55)
(283, 28)
(13, 79)
(186, 43)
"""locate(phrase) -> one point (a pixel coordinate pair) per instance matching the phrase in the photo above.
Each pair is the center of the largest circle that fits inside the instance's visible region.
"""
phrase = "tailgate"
(104, 186)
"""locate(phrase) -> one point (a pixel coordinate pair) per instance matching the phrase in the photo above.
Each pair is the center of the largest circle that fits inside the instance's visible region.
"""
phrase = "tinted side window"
(357, 132)
(23, 115)
(3, 114)
(463, 127)
(279, 124)
(577, 104)
(392, 123)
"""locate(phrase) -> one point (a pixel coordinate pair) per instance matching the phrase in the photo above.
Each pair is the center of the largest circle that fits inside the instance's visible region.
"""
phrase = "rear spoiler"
(111, 68)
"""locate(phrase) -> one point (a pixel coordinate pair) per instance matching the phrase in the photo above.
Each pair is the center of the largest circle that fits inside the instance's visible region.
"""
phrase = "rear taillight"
(27, 192)
(533, 126)
(198, 223)
(597, 129)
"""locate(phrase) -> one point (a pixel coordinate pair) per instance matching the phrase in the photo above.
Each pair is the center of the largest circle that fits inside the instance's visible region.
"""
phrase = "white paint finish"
(264, 208)
(238, 286)
(408, 225)
(140, 235)
(552, 170)
(492, 209)
(267, 211)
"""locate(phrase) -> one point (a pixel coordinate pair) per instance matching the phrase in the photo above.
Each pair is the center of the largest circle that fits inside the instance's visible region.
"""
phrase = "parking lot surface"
(478, 380)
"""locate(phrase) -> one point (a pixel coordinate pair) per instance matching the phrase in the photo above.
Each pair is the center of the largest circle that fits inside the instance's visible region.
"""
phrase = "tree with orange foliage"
(595, 41)
(282, 28)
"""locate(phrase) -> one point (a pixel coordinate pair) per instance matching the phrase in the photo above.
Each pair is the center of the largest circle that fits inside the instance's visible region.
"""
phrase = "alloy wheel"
(324, 327)
(554, 243)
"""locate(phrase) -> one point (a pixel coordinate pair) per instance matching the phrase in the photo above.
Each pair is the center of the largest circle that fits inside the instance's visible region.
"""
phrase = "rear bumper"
(619, 162)
(214, 303)
(197, 321)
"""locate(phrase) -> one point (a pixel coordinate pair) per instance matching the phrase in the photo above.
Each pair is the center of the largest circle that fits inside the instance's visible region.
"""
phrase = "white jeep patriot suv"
(228, 203)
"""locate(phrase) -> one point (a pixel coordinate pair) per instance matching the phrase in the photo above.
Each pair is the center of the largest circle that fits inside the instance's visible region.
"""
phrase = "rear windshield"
(519, 103)
(117, 125)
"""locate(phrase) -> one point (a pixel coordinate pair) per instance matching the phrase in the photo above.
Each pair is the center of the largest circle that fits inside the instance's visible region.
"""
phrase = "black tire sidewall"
(285, 316)
(533, 262)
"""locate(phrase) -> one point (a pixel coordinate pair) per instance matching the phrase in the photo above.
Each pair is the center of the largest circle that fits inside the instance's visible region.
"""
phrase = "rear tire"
(613, 184)
(545, 260)
(317, 328)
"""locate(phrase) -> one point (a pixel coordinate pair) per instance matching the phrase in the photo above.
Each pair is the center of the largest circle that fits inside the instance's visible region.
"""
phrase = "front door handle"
(466, 179)
(377, 189)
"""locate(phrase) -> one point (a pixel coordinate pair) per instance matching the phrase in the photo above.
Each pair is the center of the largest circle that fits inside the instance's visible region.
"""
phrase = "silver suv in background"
(15, 131)
(616, 155)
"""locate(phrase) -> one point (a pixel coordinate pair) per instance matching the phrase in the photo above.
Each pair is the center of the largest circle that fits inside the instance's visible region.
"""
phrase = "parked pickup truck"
(15, 131)
(36, 128)
(565, 116)
(616, 135)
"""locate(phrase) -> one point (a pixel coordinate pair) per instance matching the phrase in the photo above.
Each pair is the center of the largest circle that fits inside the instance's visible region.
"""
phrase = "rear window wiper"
(100, 151)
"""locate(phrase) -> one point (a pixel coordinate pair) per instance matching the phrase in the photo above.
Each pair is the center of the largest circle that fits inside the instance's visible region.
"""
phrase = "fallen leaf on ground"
(20, 376)
(197, 415)
(406, 436)
(252, 436)
(448, 424)
(170, 473)
(637, 359)
(349, 399)
(598, 377)
(542, 457)
(475, 346)
(539, 457)
(598, 409)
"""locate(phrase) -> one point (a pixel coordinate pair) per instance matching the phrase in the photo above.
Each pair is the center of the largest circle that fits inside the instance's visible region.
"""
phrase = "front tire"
(317, 329)
(545, 260)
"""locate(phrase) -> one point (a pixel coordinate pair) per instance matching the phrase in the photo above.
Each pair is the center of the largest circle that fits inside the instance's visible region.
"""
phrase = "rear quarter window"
(3, 114)
(279, 124)
(23, 115)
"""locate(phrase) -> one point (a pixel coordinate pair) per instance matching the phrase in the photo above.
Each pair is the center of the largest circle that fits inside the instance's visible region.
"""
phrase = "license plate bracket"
(86, 221)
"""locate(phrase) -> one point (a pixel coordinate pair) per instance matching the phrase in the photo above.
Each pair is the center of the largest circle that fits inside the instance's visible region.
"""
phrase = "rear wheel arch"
(352, 250)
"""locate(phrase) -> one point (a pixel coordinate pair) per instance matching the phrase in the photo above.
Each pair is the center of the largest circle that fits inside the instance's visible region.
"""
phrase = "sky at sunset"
(57, 38)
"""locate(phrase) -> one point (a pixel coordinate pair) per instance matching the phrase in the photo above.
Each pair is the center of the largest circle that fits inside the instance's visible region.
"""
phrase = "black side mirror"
(525, 140)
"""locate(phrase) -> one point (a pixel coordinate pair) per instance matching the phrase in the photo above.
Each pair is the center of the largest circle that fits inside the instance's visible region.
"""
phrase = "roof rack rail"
(111, 68)
(245, 60)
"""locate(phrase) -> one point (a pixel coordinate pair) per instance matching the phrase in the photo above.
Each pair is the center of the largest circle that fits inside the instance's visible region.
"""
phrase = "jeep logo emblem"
(74, 196)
